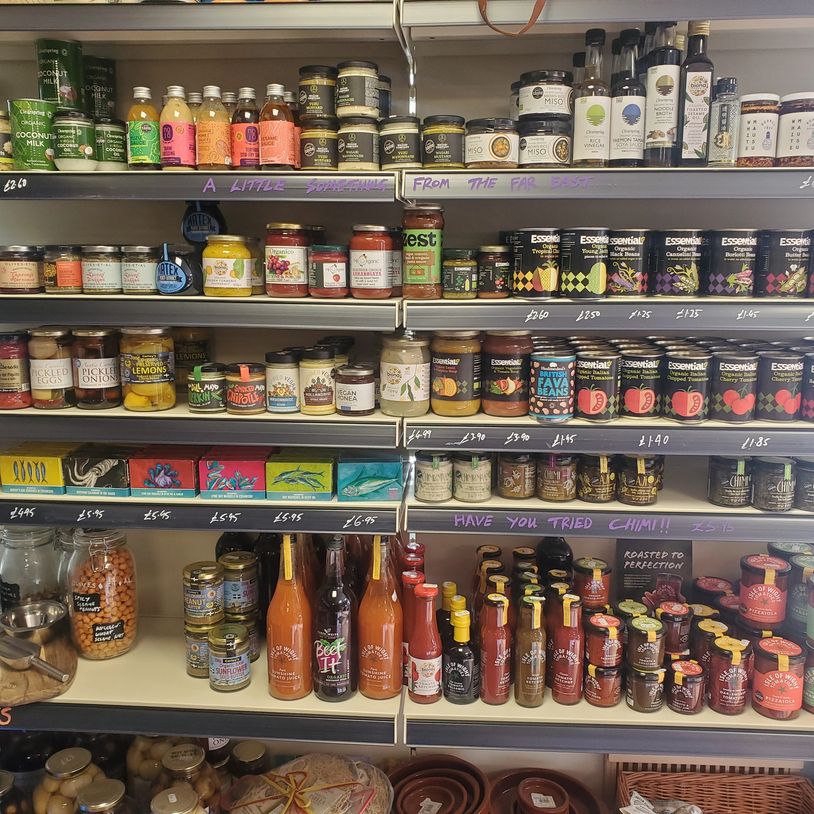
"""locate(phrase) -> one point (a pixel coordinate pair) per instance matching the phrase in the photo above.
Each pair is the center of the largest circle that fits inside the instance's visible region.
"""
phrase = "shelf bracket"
(404, 37)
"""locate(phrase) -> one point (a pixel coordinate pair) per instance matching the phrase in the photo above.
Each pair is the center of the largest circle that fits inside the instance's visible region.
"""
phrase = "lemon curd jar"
(227, 266)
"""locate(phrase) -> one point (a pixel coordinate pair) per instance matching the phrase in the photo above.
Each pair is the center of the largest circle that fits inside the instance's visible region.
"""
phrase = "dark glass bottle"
(695, 98)
(201, 219)
(333, 663)
(461, 663)
(645, 49)
(616, 50)
(628, 105)
(231, 541)
(443, 614)
(578, 64)
(267, 551)
(554, 552)
(663, 85)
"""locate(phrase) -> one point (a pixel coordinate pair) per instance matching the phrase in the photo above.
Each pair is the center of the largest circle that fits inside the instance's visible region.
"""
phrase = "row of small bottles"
(213, 132)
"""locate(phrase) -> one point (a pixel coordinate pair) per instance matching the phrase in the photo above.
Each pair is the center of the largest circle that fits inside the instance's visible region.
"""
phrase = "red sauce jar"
(645, 643)
(396, 264)
(808, 682)
(603, 685)
(708, 589)
(370, 274)
(592, 581)
(753, 636)
(495, 650)
(567, 652)
(764, 590)
(15, 384)
(777, 686)
(328, 271)
(730, 608)
(603, 640)
(701, 612)
(505, 368)
(677, 620)
(728, 681)
(702, 637)
(685, 687)
(287, 259)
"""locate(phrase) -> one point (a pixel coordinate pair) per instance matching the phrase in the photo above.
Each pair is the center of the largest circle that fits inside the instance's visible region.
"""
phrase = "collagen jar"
(287, 259)
(400, 143)
(777, 683)
(442, 143)
(50, 351)
(728, 680)
(795, 131)
(358, 144)
(97, 382)
(15, 384)
(357, 89)
(491, 144)
(545, 93)
(685, 687)
(545, 143)
(62, 268)
(21, 270)
(764, 590)
(101, 270)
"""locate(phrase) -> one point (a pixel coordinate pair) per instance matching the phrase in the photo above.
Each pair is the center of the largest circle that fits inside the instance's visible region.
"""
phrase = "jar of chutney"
(637, 483)
(556, 477)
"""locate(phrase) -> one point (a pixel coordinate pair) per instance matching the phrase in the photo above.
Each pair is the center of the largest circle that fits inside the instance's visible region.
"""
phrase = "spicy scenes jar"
(777, 683)
(764, 590)
(147, 359)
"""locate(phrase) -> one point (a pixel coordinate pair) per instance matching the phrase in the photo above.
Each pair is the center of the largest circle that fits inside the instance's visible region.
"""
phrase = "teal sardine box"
(369, 477)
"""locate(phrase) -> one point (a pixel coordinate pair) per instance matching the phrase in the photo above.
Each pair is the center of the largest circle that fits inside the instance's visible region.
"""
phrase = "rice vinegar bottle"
(592, 105)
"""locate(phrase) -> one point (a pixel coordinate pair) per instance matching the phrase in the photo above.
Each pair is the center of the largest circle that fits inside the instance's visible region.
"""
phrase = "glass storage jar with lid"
(29, 565)
(62, 269)
(442, 143)
(139, 265)
(757, 130)
(456, 373)
(176, 800)
(400, 143)
(147, 358)
(358, 144)
(12, 800)
(491, 144)
(51, 368)
(104, 797)
(21, 270)
(185, 765)
(101, 270)
(97, 383)
(15, 384)
(405, 375)
(287, 259)
(67, 772)
(795, 131)
(357, 89)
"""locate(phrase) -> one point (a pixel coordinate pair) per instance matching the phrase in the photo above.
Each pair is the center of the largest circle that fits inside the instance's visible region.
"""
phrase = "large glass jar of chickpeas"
(102, 594)
(67, 772)
(147, 369)
(144, 765)
(185, 765)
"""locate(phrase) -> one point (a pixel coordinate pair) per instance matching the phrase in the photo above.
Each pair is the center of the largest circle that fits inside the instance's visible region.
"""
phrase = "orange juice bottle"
(143, 151)
(213, 137)
(288, 630)
(177, 132)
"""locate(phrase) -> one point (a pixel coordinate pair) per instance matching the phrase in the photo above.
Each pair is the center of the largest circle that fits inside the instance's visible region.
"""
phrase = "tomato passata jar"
(371, 248)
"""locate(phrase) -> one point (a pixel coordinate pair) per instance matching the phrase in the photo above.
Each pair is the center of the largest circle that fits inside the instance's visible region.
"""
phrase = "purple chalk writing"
(570, 522)
(571, 181)
(473, 521)
(430, 182)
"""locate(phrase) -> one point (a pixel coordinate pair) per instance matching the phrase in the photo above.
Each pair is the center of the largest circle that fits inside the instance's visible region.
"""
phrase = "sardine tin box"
(233, 473)
(98, 469)
(34, 468)
(369, 477)
(165, 471)
(295, 475)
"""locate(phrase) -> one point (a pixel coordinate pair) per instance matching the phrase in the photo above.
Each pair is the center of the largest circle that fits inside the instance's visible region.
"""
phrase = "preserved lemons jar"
(147, 358)
(227, 266)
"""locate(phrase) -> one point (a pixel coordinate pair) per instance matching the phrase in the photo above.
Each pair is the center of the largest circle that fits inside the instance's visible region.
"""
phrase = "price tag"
(689, 313)
(808, 183)
(288, 518)
(747, 313)
(419, 435)
(536, 315)
(516, 438)
(23, 512)
(640, 314)
(809, 317)
(563, 439)
(358, 520)
(467, 438)
(657, 440)
(90, 514)
(152, 515)
(224, 517)
(585, 315)
(756, 442)
(15, 185)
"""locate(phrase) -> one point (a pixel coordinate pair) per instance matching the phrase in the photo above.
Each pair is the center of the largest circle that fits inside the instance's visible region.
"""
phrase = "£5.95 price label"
(224, 518)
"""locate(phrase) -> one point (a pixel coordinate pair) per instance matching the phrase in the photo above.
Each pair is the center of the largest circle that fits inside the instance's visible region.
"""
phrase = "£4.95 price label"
(22, 513)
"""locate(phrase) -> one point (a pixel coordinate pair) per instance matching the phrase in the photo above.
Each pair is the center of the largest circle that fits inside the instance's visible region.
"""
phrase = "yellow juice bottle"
(213, 132)
(143, 151)
(177, 132)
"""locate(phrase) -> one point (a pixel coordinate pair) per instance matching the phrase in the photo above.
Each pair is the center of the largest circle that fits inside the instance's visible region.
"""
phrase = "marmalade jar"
(370, 249)
(147, 369)
(96, 368)
(50, 352)
(287, 259)
(506, 360)
(227, 266)
(423, 238)
(15, 385)
(456, 373)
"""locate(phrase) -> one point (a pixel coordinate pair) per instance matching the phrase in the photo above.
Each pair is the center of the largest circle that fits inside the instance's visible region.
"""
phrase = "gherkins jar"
(51, 369)
(147, 369)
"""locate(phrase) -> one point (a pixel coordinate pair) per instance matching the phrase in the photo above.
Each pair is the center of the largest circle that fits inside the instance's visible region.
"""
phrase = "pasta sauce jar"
(728, 679)
(287, 259)
(764, 590)
(506, 361)
(370, 249)
(328, 271)
(421, 256)
(777, 684)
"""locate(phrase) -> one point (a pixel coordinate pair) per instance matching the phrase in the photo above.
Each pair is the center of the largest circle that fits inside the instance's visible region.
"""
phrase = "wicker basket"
(722, 793)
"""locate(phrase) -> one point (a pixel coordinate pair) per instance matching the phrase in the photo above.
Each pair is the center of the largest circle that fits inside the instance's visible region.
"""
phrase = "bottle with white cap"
(276, 131)
(143, 152)
(213, 139)
(194, 100)
(229, 99)
(177, 132)
(246, 132)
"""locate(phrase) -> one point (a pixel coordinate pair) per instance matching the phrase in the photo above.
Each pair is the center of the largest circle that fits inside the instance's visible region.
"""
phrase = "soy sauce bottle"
(461, 664)
(334, 664)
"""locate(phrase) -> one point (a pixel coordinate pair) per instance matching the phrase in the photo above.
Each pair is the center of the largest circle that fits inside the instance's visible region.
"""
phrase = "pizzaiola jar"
(764, 590)
(603, 640)
(777, 684)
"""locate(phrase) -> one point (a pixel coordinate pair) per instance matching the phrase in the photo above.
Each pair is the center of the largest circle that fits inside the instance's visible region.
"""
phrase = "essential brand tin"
(596, 385)
(640, 382)
(679, 260)
(732, 258)
(536, 262)
(686, 385)
(583, 262)
(733, 386)
(59, 73)
(782, 263)
(628, 262)
(32, 133)
(779, 385)
(551, 393)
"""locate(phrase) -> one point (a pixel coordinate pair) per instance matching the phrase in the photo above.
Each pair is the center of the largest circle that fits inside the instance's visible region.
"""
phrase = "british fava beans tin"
(551, 396)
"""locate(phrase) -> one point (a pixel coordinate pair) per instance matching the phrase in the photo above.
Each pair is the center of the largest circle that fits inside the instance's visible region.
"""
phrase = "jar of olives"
(177, 800)
(104, 797)
(96, 368)
(66, 773)
(144, 765)
(148, 369)
(185, 765)
(12, 800)
(51, 370)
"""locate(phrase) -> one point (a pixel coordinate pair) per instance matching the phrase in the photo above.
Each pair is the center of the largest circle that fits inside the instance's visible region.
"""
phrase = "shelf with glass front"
(682, 512)
(148, 691)
(585, 728)
(180, 425)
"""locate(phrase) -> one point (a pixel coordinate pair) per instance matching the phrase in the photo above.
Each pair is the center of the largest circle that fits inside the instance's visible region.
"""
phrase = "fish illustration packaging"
(369, 478)
(300, 475)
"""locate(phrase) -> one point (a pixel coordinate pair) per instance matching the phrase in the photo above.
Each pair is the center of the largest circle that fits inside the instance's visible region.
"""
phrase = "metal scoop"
(21, 654)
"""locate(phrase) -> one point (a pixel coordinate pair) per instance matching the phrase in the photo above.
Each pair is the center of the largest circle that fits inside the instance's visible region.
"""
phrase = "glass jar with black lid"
(442, 142)
(545, 142)
(730, 481)
(400, 143)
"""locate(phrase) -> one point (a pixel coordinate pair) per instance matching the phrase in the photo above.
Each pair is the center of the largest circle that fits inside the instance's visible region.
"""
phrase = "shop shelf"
(211, 312)
(584, 728)
(682, 513)
(644, 315)
(179, 425)
(201, 186)
(632, 435)
(148, 691)
(601, 184)
(197, 514)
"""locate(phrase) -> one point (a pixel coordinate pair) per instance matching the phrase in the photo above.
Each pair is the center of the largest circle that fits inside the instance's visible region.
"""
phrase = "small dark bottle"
(267, 551)
(578, 64)
(443, 615)
(628, 104)
(645, 49)
(695, 98)
(333, 661)
(616, 50)
(231, 541)
(554, 552)
(663, 85)
(461, 664)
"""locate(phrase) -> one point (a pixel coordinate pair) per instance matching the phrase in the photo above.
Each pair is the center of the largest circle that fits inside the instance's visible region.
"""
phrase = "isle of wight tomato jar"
(764, 590)
(227, 266)
(777, 683)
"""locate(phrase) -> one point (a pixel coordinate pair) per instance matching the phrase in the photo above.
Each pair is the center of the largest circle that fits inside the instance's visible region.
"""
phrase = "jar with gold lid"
(97, 382)
(104, 797)
(66, 773)
(203, 593)
(185, 765)
(176, 800)
(51, 368)
(62, 269)
(147, 357)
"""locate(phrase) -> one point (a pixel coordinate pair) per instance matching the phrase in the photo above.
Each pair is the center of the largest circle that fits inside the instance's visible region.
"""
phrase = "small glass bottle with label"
(694, 98)
(627, 107)
(592, 106)
(663, 81)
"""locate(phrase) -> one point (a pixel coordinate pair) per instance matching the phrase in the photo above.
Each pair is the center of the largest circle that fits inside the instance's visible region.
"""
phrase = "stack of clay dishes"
(534, 791)
(439, 783)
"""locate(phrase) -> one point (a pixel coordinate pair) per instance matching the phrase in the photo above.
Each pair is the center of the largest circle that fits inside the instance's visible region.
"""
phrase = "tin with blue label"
(551, 392)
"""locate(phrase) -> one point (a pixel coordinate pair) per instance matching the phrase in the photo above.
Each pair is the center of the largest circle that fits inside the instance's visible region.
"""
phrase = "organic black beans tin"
(779, 385)
(596, 385)
(640, 382)
(551, 392)
(583, 262)
(686, 385)
(536, 262)
(732, 257)
(679, 261)
(733, 386)
(628, 262)
(782, 263)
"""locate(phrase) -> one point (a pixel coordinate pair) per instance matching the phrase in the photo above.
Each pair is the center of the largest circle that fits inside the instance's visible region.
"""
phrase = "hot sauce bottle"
(442, 615)
(529, 653)
(409, 581)
(424, 677)
(461, 663)
(553, 614)
(484, 552)
(380, 629)
(567, 652)
(495, 650)
(288, 630)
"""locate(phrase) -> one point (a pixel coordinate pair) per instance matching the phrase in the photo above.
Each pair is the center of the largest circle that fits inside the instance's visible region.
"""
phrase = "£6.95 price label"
(360, 520)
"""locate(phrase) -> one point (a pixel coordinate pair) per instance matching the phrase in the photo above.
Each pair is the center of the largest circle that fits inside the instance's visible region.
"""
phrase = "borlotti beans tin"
(596, 385)
(779, 385)
(686, 385)
(584, 262)
(536, 262)
(551, 393)
(733, 386)
(679, 260)
(782, 263)
(732, 258)
(628, 262)
(640, 382)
